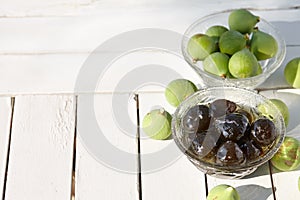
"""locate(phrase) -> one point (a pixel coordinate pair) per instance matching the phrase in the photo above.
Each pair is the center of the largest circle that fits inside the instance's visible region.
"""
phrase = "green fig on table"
(269, 112)
(283, 109)
(157, 124)
(242, 21)
(292, 72)
(223, 192)
(299, 183)
(288, 156)
(178, 90)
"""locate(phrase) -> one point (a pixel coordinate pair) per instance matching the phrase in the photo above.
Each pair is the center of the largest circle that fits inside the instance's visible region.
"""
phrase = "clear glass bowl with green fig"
(256, 34)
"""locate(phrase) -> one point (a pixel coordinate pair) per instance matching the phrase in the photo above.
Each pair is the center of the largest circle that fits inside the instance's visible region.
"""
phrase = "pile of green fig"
(234, 51)
(157, 122)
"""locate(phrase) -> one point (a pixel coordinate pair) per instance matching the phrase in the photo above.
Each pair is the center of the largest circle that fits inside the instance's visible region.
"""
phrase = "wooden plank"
(41, 151)
(53, 73)
(106, 160)
(83, 33)
(59, 73)
(18, 8)
(286, 183)
(166, 172)
(5, 119)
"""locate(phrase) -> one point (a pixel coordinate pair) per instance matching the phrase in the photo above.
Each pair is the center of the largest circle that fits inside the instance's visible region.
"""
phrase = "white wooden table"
(46, 150)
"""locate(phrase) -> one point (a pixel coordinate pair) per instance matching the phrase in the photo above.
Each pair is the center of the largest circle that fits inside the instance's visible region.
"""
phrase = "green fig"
(200, 46)
(283, 109)
(259, 69)
(263, 45)
(231, 42)
(157, 124)
(243, 64)
(288, 156)
(178, 90)
(266, 110)
(217, 64)
(228, 75)
(242, 20)
(216, 31)
(292, 72)
(223, 192)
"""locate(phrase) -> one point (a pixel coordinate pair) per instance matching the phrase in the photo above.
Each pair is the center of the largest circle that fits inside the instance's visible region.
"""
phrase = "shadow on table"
(264, 171)
(254, 192)
(261, 171)
(289, 31)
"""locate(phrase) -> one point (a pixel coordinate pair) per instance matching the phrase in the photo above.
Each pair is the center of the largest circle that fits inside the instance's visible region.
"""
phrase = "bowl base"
(226, 174)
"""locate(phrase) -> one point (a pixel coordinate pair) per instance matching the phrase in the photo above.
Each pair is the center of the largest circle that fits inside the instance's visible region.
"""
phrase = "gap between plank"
(73, 177)
(206, 184)
(139, 174)
(271, 178)
(8, 149)
(270, 167)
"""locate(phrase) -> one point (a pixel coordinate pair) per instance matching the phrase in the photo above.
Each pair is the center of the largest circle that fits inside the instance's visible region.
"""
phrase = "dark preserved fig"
(263, 132)
(251, 151)
(221, 107)
(197, 119)
(233, 126)
(204, 144)
(230, 154)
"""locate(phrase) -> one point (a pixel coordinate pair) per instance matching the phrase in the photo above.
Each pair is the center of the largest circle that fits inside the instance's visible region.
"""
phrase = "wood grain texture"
(18, 8)
(85, 33)
(58, 73)
(5, 120)
(99, 169)
(41, 149)
(166, 172)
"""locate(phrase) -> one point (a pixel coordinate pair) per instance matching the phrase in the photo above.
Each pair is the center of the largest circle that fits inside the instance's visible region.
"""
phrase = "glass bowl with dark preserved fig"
(223, 133)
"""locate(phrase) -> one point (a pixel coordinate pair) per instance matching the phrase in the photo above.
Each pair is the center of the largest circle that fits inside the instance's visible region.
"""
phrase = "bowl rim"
(266, 74)
(234, 168)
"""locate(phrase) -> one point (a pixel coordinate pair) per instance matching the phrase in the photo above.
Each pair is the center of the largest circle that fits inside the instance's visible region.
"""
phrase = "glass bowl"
(221, 18)
(242, 97)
